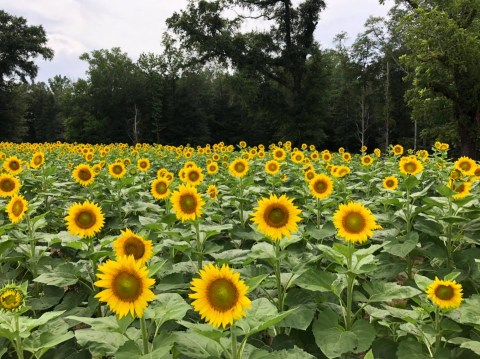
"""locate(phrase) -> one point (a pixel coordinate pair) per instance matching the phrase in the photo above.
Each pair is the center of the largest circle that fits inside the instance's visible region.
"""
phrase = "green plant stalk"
(234, 343)
(438, 337)
(280, 303)
(350, 285)
(199, 245)
(18, 340)
(408, 219)
(449, 236)
(143, 327)
(241, 202)
(318, 213)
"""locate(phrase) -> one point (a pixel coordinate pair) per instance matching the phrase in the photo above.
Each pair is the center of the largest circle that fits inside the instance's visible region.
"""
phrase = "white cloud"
(77, 26)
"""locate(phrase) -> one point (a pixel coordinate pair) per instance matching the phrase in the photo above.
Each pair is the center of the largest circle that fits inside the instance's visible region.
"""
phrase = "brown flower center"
(127, 287)
(239, 167)
(84, 174)
(444, 292)
(85, 219)
(17, 208)
(134, 246)
(276, 216)
(14, 165)
(222, 295)
(193, 176)
(117, 169)
(410, 167)
(320, 186)
(354, 222)
(466, 166)
(7, 185)
(188, 203)
(161, 188)
(37, 160)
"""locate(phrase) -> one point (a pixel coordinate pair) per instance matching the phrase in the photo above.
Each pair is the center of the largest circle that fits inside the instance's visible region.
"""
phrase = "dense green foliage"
(411, 78)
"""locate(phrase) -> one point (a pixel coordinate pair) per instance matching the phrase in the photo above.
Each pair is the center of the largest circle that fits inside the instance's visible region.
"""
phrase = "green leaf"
(410, 182)
(262, 250)
(261, 316)
(303, 317)
(410, 349)
(383, 292)
(294, 353)
(331, 338)
(445, 191)
(369, 355)
(468, 312)
(194, 345)
(28, 324)
(472, 345)
(61, 276)
(167, 306)
(401, 246)
(316, 280)
(254, 282)
(365, 333)
(422, 282)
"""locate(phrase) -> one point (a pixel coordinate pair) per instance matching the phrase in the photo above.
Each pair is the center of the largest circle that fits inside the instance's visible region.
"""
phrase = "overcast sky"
(77, 26)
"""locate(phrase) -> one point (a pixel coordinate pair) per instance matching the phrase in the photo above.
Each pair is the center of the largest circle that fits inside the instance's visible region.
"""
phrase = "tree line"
(411, 78)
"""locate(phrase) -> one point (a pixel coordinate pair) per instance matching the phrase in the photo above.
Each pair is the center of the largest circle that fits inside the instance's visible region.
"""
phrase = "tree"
(444, 48)
(278, 54)
(19, 45)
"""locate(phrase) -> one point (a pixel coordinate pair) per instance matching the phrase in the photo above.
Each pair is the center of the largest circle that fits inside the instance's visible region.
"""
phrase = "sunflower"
(367, 160)
(390, 183)
(16, 208)
(445, 294)
(127, 286)
(297, 157)
(410, 165)
(117, 170)
(131, 244)
(187, 203)
(466, 165)
(143, 164)
(85, 219)
(377, 152)
(462, 190)
(326, 156)
(340, 171)
(276, 216)
(13, 165)
(9, 185)
(83, 174)
(363, 149)
(238, 168)
(12, 297)
(37, 160)
(160, 188)
(212, 191)
(194, 175)
(309, 175)
(272, 167)
(279, 154)
(321, 186)
(346, 157)
(243, 144)
(212, 168)
(220, 295)
(355, 223)
(398, 150)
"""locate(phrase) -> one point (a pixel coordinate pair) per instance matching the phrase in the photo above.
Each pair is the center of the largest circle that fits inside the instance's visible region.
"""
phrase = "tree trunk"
(467, 131)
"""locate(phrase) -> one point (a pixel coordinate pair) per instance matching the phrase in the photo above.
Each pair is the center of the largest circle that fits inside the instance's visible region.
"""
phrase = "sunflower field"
(151, 251)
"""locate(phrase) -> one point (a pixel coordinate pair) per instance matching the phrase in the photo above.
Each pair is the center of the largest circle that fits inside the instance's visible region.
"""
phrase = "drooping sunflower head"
(212, 191)
(117, 170)
(37, 160)
(354, 222)
(12, 297)
(238, 167)
(367, 160)
(377, 152)
(194, 175)
(445, 294)
(131, 244)
(410, 165)
(16, 208)
(13, 165)
(160, 188)
(9, 185)
(220, 295)
(85, 219)
(321, 186)
(272, 167)
(187, 203)
(466, 165)
(127, 286)
(83, 174)
(390, 183)
(276, 216)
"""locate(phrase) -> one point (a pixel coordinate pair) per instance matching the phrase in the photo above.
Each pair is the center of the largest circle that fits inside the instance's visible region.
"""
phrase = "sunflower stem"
(438, 337)
(318, 213)
(145, 337)
(350, 284)
(241, 201)
(18, 340)
(408, 219)
(234, 343)
(280, 303)
(199, 245)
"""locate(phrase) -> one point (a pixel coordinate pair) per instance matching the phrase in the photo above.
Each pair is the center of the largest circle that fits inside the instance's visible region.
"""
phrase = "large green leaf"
(468, 312)
(61, 276)
(316, 280)
(195, 345)
(383, 292)
(167, 306)
(401, 246)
